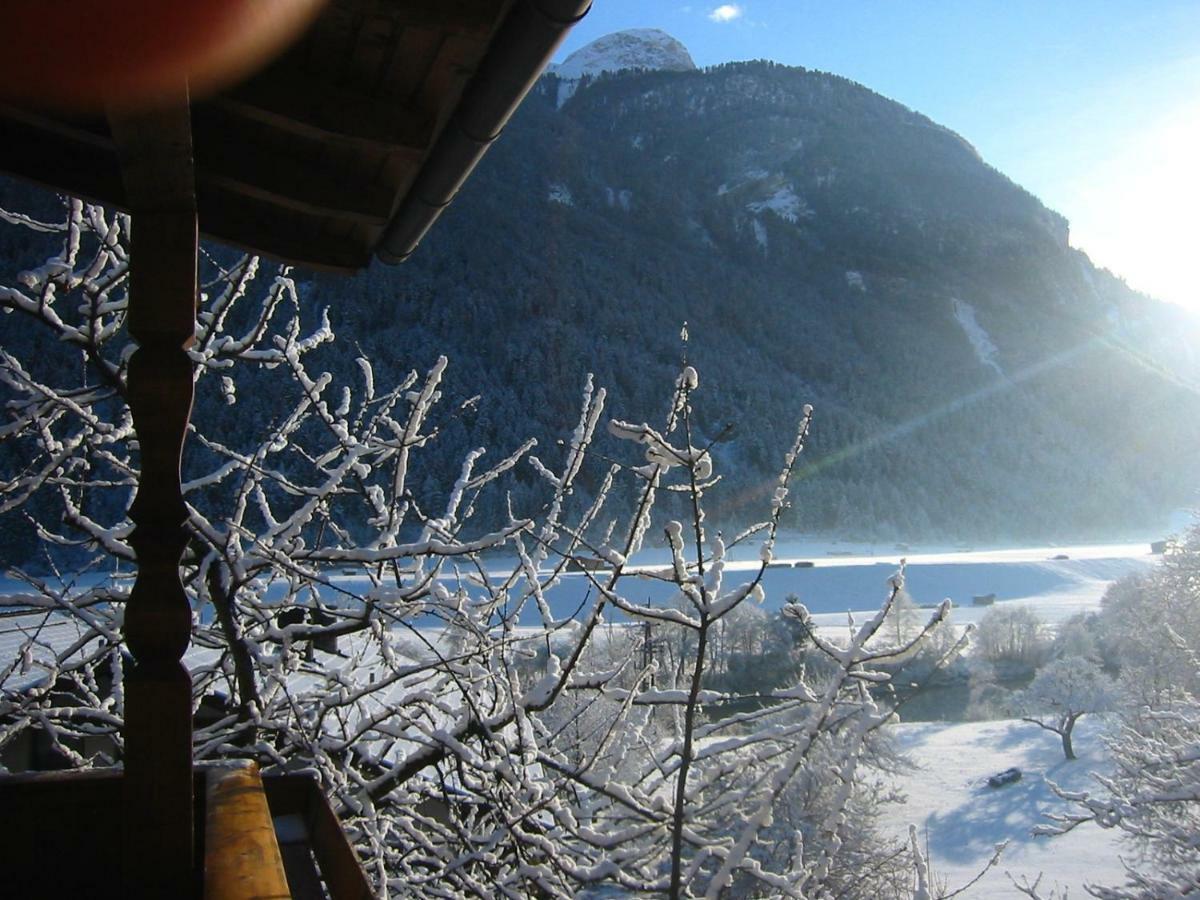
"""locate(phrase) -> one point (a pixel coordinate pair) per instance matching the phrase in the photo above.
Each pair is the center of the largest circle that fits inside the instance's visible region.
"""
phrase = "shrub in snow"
(1012, 638)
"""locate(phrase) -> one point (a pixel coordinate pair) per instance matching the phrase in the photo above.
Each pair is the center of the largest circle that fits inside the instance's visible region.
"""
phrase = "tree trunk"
(1068, 750)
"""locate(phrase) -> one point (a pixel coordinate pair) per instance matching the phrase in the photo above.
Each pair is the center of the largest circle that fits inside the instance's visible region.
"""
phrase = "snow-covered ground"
(1054, 589)
(963, 819)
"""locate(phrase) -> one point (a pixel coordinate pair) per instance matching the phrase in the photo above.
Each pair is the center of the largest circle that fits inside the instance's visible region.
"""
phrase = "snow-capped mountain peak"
(637, 48)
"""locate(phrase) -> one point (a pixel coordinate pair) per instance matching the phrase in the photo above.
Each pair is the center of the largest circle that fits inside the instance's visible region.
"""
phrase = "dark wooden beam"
(296, 100)
(61, 155)
(258, 225)
(478, 17)
(314, 172)
(155, 152)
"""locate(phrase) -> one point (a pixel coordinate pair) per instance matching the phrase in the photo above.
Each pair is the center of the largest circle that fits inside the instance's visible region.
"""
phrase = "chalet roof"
(347, 146)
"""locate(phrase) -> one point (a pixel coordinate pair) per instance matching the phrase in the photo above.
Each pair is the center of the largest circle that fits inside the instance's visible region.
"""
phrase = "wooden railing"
(257, 837)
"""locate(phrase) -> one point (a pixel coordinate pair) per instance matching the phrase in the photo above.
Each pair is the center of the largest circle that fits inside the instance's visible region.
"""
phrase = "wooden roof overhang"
(345, 147)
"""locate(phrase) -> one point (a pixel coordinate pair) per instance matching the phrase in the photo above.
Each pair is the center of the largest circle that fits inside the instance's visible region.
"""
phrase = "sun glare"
(1137, 209)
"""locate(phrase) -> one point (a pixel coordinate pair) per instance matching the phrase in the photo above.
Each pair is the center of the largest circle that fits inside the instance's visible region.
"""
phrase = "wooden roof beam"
(257, 224)
(302, 103)
(61, 156)
(468, 16)
(300, 169)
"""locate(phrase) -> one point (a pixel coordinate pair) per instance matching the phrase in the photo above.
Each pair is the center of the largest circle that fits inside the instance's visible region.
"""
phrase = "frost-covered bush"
(1012, 637)
(1153, 793)
(475, 741)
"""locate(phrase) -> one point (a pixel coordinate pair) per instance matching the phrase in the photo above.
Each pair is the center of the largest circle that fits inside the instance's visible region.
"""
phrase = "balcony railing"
(256, 837)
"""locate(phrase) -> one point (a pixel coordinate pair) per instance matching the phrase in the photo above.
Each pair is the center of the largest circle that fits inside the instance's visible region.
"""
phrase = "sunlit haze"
(1091, 107)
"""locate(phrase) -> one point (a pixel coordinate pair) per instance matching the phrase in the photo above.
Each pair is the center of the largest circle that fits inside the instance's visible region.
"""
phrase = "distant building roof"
(46, 634)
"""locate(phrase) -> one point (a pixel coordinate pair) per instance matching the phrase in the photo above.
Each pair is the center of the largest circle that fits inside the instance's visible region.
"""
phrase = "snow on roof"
(27, 639)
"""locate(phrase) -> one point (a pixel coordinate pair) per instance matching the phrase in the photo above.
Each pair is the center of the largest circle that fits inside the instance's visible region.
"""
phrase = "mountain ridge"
(881, 220)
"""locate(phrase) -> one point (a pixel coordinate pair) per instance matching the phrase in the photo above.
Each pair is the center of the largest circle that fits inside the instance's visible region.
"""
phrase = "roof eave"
(523, 45)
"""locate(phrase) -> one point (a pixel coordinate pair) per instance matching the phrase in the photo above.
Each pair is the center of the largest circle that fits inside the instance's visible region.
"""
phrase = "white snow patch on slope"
(981, 341)
(760, 233)
(622, 198)
(701, 232)
(746, 177)
(560, 193)
(948, 799)
(784, 203)
(566, 90)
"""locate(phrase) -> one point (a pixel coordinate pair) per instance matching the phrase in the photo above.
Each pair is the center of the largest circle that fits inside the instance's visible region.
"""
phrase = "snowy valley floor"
(949, 801)
(947, 795)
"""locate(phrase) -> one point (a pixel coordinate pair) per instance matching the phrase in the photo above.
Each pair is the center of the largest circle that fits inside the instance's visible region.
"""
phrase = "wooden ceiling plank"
(472, 17)
(343, 181)
(457, 58)
(415, 53)
(251, 187)
(372, 52)
(286, 235)
(61, 156)
(340, 113)
(327, 42)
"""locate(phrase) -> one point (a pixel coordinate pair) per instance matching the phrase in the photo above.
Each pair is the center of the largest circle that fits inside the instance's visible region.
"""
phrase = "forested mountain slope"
(974, 377)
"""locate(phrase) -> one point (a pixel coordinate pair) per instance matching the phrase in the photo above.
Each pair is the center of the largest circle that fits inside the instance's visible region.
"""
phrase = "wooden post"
(155, 150)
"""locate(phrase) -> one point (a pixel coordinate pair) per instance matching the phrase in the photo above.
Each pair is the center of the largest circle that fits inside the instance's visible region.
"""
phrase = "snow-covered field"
(963, 819)
(1054, 589)
(1057, 581)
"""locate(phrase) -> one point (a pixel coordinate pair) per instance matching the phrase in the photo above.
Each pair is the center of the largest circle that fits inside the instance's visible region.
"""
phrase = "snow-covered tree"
(1063, 692)
(1076, 637)
(904, 619)
(475, 739)
(1140, 614)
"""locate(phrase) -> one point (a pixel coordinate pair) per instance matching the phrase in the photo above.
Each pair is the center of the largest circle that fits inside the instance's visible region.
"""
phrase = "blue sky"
(1093, 105)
